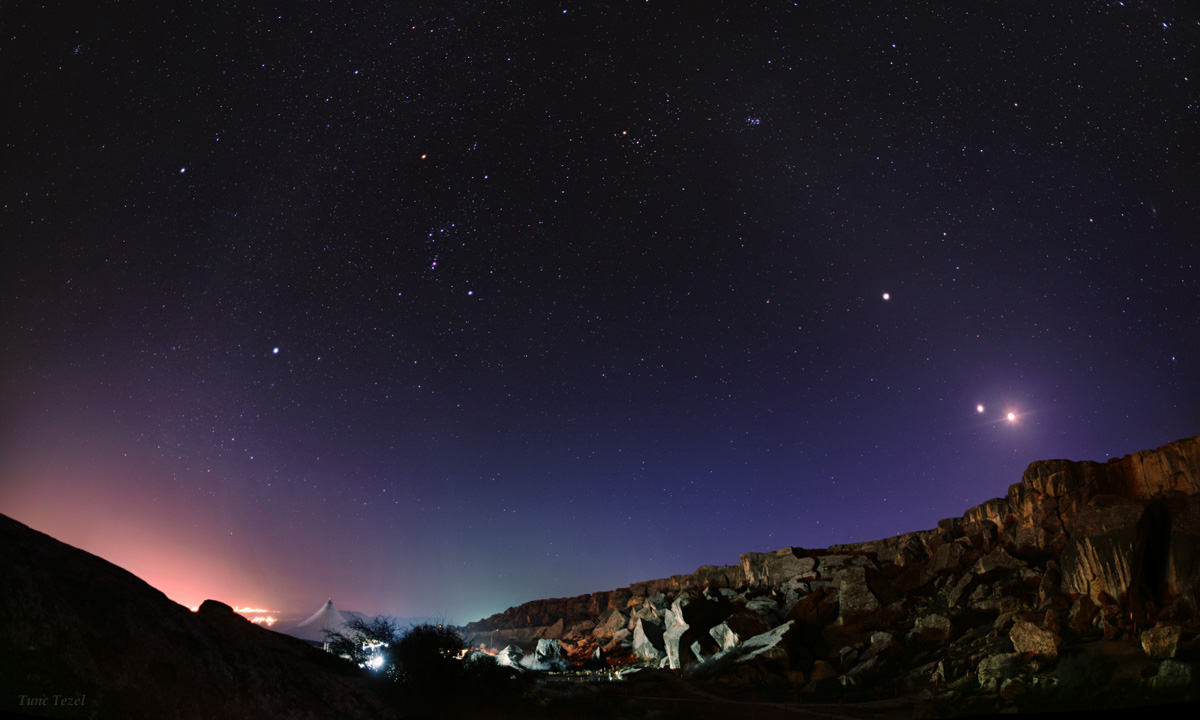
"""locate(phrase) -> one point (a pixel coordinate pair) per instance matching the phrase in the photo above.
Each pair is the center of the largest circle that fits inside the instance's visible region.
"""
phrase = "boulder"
(691, 617)
(610, 621)
(548, 656)
(1051, 622)
(953, 592)
(766, 608)
(848, 655)
(1013, 688)
(1030, 639)
(475, 657)
(995, 669)
(703, 648)
(997, 598)
(1109, 619)
(883, 644)
(646, 611)
(829, 567)
(996, 560)
(767, 652)
(1081, 615)
(1172, 675)
(511, 656)
(1161, 643)
(738, 627)
(862, 671)
(778, 568)
(621, 638)
(909, 550)
(648, 641)
(855, 599)
(692, 608)
(946, 559)
(672, 640)
(931, 629)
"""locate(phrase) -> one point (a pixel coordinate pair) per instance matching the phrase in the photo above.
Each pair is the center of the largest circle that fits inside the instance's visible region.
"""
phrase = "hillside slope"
(84, 638)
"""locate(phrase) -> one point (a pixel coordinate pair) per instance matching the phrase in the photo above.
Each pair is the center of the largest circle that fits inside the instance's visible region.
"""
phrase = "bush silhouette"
(431, 681)
(428, 654)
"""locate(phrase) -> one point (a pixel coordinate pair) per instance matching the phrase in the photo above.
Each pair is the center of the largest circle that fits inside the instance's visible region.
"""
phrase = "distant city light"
(258, 618)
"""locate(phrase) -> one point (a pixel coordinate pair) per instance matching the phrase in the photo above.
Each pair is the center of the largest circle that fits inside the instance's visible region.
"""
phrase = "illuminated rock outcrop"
(1075, 551)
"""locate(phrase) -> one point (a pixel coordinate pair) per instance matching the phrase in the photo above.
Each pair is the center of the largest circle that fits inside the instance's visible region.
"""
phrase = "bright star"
(979, 408)
(1011, 417)
(887, 296)
(275, 351)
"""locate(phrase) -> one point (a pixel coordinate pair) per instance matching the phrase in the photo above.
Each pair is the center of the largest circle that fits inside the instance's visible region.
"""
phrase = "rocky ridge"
(84, 638)
(1075, 553)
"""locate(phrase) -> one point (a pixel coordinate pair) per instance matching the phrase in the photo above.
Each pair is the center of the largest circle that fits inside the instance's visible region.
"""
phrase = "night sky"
(437, 307)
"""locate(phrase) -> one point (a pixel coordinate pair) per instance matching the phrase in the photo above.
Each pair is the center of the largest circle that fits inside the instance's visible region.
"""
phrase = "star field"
(441, 307)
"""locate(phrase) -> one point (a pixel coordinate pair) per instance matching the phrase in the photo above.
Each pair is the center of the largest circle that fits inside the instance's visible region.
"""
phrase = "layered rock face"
(1127, 529)
(1076, 550)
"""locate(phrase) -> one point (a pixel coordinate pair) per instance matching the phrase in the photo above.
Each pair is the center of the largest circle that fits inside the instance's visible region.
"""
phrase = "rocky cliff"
(83, 638)
(1076, 550)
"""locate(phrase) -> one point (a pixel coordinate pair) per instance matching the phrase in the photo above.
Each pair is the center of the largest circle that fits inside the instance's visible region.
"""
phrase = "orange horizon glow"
(168, 549)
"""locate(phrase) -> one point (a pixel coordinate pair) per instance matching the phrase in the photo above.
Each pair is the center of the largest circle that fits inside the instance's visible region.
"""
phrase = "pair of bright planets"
(1010, 416)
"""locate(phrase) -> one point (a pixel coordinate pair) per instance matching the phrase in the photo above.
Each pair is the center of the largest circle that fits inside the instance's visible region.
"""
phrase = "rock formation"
(1003, 604)
(1075, 551)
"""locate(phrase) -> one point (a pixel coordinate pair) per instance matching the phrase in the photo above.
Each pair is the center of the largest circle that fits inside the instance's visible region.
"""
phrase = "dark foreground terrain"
(82, 638)
(1076, 592)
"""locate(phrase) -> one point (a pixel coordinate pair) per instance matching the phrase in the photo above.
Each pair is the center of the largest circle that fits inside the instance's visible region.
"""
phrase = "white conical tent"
(327, 618)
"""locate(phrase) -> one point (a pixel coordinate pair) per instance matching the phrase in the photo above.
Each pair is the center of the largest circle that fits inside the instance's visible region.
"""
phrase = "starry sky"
(438, 307)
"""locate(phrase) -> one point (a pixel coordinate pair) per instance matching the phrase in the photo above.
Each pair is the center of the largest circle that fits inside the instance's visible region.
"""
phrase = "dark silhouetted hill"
(80, 637)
